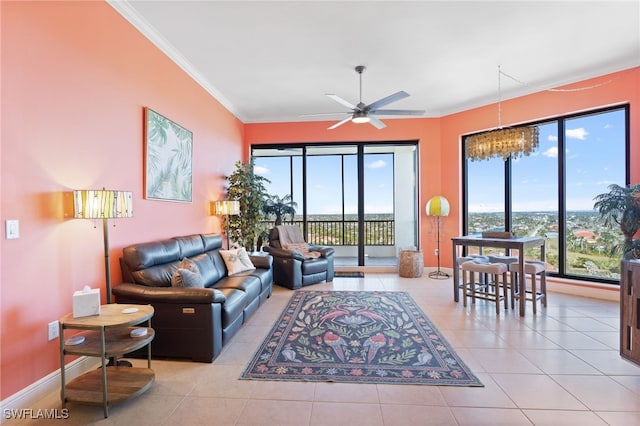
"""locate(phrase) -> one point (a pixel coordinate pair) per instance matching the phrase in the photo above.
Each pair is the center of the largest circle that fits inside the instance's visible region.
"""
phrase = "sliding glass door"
(358, 198)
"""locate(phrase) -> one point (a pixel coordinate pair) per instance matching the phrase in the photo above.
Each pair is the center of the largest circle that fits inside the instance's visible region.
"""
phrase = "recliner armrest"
(282, 253)
(146, 294)
(326, 251)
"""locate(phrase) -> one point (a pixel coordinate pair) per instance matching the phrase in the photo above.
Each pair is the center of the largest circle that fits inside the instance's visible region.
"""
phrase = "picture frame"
(168, 151)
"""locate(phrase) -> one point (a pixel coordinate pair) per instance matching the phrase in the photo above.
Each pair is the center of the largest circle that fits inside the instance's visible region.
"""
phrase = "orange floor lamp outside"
(438, 206)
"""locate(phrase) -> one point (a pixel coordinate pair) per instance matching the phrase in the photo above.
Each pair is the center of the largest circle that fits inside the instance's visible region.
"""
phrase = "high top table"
(515, 243)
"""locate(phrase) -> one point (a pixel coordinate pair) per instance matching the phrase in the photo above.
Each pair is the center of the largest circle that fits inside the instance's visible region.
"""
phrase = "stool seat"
(534, 268)
(530, 267)
(485, 268)
(484, 289)
(507, 260)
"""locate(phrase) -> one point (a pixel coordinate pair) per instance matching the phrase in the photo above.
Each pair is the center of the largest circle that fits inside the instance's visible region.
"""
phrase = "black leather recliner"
(291, 269)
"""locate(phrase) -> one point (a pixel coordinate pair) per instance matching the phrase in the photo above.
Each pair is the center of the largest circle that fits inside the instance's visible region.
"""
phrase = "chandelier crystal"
(502, 142)
(513, 141)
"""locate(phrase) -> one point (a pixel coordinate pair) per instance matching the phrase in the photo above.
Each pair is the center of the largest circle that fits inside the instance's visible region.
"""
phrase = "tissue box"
(86, 303)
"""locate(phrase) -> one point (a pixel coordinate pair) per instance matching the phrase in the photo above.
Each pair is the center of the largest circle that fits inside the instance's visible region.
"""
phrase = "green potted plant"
(279, 207)
(621, 206)
(249, 190)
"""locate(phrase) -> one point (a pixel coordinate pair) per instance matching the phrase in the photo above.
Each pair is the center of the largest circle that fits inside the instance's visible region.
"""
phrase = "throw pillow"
(187, 275)
(236, 260)
(186, 278)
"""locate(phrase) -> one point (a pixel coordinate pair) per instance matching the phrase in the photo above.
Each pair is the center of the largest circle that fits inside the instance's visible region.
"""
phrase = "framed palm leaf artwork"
(168, 156)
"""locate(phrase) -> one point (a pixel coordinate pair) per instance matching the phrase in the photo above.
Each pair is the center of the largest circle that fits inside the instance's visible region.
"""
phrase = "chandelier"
(502, 142)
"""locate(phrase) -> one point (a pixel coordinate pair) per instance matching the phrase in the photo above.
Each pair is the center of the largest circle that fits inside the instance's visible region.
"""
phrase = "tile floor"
(560, 367)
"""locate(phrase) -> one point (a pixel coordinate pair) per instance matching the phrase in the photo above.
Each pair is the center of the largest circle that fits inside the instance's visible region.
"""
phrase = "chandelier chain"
(578, 89)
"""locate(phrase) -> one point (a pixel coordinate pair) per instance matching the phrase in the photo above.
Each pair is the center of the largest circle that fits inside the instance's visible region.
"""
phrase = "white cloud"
(551, 152)
(261, 170)
(579, 133)
(552, 138)
(378, 164)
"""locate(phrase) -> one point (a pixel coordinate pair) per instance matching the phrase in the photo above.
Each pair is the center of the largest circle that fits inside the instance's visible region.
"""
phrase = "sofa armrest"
(263, 261)
(326, 251)
(146, 294)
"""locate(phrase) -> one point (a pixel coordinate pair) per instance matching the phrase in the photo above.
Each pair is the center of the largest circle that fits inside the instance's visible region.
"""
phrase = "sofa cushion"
(187, 275)
(236, 260)
(314, 266)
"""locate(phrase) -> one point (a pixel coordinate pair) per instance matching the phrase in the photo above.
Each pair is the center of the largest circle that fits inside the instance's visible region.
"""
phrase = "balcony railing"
(345, 232)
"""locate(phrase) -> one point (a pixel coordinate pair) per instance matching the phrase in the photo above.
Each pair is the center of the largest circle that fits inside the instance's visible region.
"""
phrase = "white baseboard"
(29, 396)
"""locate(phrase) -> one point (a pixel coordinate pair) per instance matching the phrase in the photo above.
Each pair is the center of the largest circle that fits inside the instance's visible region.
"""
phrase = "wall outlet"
(53, 330)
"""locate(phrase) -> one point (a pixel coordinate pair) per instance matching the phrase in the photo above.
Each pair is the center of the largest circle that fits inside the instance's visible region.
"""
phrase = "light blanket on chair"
(291, 239)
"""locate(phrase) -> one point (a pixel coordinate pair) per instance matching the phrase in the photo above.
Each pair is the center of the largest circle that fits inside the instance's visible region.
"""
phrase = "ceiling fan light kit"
(362, 113)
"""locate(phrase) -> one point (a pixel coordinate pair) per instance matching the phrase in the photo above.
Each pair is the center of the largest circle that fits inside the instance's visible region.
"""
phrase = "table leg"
(522, 281)
(456, 275)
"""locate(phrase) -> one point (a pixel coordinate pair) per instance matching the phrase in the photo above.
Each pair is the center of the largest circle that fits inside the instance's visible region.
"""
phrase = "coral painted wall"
(440, 139)
(76, 77)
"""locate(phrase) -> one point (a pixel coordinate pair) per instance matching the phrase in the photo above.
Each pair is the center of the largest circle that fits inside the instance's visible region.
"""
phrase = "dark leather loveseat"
(192, 322)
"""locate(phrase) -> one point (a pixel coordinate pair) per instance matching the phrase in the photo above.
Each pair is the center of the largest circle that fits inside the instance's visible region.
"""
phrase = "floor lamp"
(226, 208)
(104, 204)
(438, 206)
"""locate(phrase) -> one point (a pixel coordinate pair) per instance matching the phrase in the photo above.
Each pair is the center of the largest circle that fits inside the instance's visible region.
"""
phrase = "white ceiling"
(274, 60)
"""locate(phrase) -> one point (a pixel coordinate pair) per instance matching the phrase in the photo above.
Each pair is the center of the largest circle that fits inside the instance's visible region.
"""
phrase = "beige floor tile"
(418, 415)
(268, 413)
(630, 382)
(410, 394)
(504, 361)
(620, 418)
(195, 411)
(222, 382)
(537, 391)
(489, 416)
(573, 340)
(608, 362)
(557, 361)
(347, 392)
(337, 413)
(564, 417)
(600, 393)
(491, 395)
(292, 391)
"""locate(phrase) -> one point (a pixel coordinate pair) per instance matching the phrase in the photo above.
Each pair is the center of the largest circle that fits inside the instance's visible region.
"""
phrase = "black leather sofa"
(192, 323)
(292, 270)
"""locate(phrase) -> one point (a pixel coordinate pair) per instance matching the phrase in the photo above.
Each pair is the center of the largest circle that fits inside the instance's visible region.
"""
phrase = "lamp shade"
(437, 206)
(102, 204)
(226, 207)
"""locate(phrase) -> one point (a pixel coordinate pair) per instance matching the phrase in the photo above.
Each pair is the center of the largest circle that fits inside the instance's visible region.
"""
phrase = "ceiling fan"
(362, 113)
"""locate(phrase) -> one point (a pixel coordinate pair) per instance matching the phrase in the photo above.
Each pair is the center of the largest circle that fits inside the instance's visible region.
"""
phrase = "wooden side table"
(107, 335)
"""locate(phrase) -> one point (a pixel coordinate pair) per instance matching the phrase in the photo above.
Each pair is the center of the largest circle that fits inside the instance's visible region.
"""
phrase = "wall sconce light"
(438, 206)
(226, 208)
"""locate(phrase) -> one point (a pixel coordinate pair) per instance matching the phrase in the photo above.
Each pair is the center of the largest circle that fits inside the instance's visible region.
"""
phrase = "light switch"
(13, 229)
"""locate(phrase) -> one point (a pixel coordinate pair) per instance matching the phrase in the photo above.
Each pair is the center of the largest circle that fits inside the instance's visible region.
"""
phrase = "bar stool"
(533, 268)
(507, 260)
(461, 260)
(486, 291)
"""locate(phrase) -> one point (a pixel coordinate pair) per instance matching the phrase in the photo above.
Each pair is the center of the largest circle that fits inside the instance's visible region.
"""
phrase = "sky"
(595, 158)
(324, 180)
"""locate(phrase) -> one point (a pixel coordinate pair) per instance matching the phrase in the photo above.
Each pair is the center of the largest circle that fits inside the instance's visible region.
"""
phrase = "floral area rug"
(357, 337)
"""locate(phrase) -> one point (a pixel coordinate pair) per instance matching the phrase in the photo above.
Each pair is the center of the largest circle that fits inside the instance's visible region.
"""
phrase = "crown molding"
(125, 9)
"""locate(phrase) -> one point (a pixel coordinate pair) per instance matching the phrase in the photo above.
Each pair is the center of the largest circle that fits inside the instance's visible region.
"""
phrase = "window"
(550, 193)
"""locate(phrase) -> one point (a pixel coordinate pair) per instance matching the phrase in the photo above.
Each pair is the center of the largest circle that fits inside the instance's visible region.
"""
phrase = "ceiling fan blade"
(340, 123)
(384, 101)
(376, 123)
(417, 112)
(339, 100)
